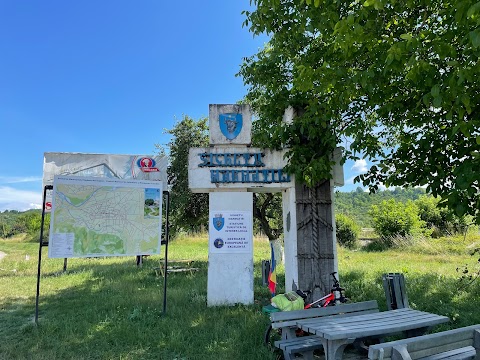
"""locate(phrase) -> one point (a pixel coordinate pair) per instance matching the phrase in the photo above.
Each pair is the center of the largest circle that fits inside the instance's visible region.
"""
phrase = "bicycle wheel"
(271, 335)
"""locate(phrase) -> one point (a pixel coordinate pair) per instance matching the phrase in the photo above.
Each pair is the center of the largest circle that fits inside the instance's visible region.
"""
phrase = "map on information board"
(105, 217)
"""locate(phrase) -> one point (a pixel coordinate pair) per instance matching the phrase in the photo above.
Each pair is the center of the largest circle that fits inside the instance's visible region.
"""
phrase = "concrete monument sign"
(230, 165)
(229, 170)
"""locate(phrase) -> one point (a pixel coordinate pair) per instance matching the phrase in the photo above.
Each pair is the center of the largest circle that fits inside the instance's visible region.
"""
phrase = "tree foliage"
(442, 220)
(347, 231)
(267, 212)
(397, 80)
(356, 204)
(392, 219)
(188, 211)
(28, 222)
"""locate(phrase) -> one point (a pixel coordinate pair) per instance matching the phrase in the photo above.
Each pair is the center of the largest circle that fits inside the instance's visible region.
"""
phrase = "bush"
(347, 231)
(392, 219)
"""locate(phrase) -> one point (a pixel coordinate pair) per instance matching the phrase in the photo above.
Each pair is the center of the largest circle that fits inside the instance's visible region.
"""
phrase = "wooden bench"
(305, 345)
(462, 343)
(176, 266)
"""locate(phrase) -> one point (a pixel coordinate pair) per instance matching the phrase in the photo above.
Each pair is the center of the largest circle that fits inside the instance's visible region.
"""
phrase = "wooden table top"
(380, 323)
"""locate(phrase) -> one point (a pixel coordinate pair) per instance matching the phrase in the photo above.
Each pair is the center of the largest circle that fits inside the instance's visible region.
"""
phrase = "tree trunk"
(315, 238)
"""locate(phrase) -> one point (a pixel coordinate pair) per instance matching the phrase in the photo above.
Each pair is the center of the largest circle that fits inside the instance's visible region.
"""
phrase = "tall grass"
(108, 308)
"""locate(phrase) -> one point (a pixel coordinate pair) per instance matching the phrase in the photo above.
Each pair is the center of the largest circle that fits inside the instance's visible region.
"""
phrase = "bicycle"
(329, 299)
(334, 297)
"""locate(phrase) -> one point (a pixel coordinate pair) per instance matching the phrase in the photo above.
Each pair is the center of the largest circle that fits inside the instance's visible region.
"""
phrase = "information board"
(94, 216)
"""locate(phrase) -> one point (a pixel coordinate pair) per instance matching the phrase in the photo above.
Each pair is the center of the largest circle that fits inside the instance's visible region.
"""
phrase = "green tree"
(435, 217)
(149, 202)
(347, 231)
(188, 211)
(443, 221)
(395, 219)
(356, 203)
(267, 212)
(396, 79)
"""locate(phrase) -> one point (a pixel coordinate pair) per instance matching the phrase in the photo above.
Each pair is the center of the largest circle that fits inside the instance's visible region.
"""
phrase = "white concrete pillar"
(290, 237)
(230, 272)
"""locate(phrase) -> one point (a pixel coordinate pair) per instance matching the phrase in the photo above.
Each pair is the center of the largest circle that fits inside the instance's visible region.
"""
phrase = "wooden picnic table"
(337, 333)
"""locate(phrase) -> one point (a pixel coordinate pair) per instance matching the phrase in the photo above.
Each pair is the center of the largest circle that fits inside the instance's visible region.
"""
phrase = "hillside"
(357, 203)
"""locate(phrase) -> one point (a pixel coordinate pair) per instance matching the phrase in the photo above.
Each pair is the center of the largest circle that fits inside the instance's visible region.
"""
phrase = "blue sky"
(108, 77)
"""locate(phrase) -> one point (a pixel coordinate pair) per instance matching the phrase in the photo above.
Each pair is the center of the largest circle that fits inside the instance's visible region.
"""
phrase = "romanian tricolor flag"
(272, 275)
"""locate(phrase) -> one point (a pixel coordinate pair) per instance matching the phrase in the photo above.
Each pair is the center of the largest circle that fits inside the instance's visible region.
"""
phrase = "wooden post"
(316, 243)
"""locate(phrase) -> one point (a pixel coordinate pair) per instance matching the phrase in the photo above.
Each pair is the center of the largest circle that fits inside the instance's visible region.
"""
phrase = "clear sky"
(109, 76)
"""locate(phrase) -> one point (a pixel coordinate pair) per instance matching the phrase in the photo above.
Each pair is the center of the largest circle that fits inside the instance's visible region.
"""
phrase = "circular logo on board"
(218, 243)
(146, 162)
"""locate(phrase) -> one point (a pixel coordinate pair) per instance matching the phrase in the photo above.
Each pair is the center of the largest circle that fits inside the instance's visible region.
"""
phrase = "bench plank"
(299, 342)
(467, 352)
(451, 344)
(293, 322)
(329, 310)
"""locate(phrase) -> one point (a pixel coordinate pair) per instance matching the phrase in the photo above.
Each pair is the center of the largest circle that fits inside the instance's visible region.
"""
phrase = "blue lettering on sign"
(245, 160)
(214, 176)
(230, 160)
(264, 176)
(244, 176)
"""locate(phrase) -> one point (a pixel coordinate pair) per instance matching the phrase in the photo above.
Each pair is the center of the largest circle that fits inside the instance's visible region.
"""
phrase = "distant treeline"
(28, 222)
(356, 204)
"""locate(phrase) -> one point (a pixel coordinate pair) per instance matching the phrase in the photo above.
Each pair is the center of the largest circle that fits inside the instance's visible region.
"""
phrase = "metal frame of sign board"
(42, 243)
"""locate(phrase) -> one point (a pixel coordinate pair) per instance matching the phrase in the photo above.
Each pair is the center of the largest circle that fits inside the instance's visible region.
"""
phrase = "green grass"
(108, 308)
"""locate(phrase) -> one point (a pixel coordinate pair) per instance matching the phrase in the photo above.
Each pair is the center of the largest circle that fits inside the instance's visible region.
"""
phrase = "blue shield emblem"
(218, 222)
(231, 124)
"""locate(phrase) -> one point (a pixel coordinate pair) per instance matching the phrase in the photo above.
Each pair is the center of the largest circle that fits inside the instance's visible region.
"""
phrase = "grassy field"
(109, 308)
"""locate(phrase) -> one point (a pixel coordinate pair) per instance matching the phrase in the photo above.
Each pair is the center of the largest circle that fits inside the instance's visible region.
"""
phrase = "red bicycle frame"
(328, 299)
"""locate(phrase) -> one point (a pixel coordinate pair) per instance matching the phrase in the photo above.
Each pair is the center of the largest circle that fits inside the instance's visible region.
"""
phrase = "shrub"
(392, 219)
(347, 231)
(442, 220)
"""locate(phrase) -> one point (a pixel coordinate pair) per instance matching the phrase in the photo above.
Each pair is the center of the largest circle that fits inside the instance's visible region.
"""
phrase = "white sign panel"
(105, 217)
(233, 168)
(144, 167)
(230, 232)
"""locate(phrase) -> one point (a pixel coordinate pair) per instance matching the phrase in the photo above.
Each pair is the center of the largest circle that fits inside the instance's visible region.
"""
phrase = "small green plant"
(347, 231)
(392, 219)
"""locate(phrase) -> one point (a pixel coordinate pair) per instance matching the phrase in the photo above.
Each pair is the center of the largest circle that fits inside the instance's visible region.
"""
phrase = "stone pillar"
(230, 273)
(290, 238)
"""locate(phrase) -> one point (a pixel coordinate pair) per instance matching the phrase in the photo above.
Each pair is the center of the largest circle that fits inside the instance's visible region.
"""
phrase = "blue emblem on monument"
(218, 222)
(231, 124)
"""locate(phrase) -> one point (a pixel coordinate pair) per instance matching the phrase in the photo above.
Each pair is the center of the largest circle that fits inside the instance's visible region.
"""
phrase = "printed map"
(105, 217)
